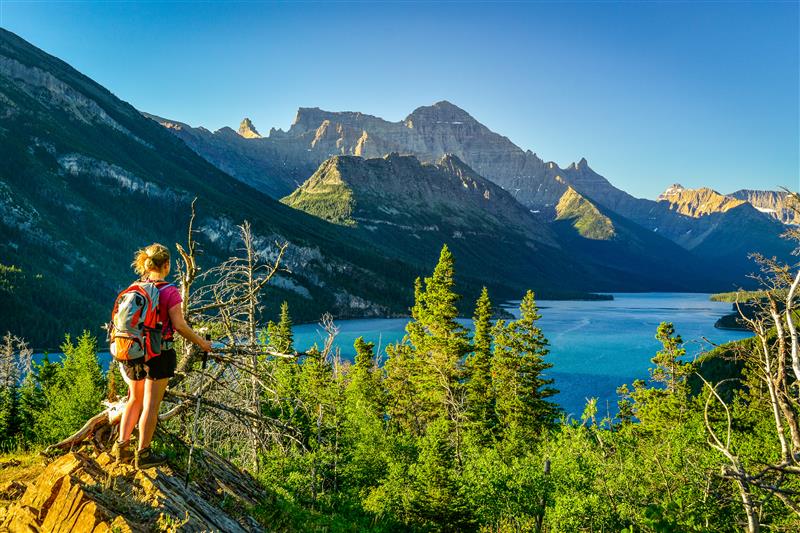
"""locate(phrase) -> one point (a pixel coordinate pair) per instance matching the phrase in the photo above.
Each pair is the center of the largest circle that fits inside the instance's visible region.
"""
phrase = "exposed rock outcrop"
(52, 92)
(697, 202)
(248, 130)
(777, 204)
(81, 493)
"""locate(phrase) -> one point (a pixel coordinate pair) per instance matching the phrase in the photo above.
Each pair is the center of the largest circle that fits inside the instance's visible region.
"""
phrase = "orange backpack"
(134, 331)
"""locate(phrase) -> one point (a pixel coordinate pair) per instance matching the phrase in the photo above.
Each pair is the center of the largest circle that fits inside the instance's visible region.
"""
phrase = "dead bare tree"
(227, 300)
(774, 360)
(15, 359)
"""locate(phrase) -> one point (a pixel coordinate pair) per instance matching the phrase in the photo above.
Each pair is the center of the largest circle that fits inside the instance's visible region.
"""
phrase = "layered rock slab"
(77, 492)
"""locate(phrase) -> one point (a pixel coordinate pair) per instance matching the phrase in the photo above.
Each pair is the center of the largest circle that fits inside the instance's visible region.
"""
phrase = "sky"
(700, 93)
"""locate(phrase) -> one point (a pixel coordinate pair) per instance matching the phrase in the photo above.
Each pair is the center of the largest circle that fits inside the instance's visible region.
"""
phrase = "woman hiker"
(148, 381)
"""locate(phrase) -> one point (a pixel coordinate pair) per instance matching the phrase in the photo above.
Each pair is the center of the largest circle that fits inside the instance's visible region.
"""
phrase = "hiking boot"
(147, 458)
(122, 452)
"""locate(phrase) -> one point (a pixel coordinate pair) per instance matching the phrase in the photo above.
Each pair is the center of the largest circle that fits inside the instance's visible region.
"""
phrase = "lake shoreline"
(595, 346)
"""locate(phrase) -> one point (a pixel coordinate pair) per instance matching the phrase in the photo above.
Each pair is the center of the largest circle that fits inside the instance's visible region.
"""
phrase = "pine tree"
(424, 371)
(665, 403)
(280, 335)
(402, 384)
(285, 372)
(32, 401)
(9, 378)
(8, 414)
(15, 363)
(522, 408)
(365, 355)
(364, 385)
(480, 394)
(364, 428)
(321, 417)
(670, 370)
(434, 494)
(76, 392)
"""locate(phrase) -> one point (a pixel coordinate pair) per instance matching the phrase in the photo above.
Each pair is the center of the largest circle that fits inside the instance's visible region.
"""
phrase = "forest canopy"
(456, 429)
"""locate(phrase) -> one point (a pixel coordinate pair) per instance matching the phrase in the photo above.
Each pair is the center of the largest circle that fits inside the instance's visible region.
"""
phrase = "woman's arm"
(180, 325)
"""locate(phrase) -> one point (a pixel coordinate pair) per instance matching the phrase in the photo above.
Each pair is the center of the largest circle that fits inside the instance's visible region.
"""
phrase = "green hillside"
(406, 208)
(623, 255)
(86, 180)
(586, 217)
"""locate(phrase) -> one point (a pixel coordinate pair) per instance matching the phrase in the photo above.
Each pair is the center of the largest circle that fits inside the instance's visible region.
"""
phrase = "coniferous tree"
(402, 375)
(32, 399)
(425, 370)
(670, 370)
(522, 391)
(15, 363)
(665, 403)
(364, 436)
(480, 394)
(404, 408)
(76, 392)
(434, 494)
(9, 378)
(8, 414)
(321, 420)
(285, 372)
(280, 335)
(440, 341)
(364, 377)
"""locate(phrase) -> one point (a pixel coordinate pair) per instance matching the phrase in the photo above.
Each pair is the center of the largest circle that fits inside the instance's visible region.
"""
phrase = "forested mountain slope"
(410, 207)
(85, 180)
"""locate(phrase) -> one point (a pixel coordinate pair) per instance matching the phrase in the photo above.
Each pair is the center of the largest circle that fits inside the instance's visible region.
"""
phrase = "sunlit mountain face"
(719, 231)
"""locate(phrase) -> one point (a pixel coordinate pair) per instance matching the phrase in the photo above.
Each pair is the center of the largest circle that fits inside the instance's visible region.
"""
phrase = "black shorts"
(159, 367)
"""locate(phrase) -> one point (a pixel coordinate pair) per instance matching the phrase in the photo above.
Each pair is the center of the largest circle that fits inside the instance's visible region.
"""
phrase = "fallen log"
(108, 417)
(111, 415)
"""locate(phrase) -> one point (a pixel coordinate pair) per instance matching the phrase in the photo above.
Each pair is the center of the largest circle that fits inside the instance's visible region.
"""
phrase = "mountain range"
(364, 203)
(719, 232)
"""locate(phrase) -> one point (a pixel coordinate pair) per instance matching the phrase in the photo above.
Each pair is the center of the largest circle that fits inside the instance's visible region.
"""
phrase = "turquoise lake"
(595, 346)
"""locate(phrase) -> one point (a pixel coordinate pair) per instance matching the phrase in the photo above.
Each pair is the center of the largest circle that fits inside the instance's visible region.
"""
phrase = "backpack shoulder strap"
(130, 288)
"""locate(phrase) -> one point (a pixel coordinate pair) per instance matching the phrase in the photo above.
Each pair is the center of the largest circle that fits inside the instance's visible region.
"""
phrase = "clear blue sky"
(702, 93)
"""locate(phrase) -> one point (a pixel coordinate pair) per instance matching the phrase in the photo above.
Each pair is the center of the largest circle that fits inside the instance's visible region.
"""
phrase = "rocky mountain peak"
(675, 188)
(308, 118)
(697, 202)
(439, 113)
(452, 164)
(777, 204)
(586, 218)
(583, 164)
(248, 130)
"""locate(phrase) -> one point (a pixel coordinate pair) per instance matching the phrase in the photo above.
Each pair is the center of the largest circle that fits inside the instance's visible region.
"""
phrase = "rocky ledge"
(86, 493)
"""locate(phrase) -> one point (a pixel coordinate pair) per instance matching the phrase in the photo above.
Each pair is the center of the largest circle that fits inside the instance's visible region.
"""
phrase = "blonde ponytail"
(152, 257)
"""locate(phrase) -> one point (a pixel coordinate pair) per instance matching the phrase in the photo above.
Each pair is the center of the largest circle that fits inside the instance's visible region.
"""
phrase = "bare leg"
(153, 394)
(132, 409)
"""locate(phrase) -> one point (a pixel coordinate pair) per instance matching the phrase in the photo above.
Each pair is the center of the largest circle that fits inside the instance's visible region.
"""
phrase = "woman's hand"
(205, 345)
(180, 325)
